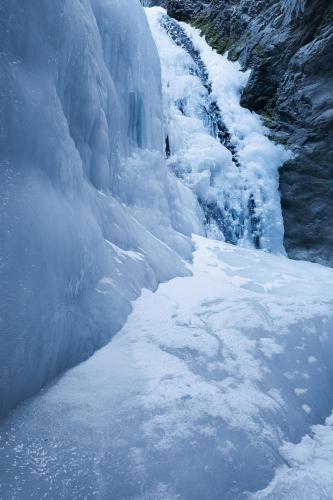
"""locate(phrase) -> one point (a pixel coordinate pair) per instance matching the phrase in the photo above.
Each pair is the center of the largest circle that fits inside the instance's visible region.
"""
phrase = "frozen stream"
(195, 396)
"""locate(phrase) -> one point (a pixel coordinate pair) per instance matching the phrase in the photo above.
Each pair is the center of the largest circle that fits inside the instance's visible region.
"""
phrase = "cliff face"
(288, 44)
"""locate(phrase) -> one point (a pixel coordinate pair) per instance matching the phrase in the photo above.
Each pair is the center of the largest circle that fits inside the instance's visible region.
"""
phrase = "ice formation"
(214, 145)
(89, 212)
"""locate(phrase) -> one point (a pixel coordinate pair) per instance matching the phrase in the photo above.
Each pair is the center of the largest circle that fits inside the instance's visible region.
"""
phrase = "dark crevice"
(167, 147)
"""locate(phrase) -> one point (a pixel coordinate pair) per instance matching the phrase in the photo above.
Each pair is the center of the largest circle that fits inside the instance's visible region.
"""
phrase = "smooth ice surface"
(89, 212)
(234, 171)
(194, 398)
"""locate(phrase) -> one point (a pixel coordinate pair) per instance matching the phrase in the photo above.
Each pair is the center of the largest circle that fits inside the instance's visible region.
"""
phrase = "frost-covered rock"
(89, 213)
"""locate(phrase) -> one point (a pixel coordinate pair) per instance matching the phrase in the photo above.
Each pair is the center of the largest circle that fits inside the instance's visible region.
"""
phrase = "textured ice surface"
(214, 145)
(194, 398)
(308, 473)
(89, 212)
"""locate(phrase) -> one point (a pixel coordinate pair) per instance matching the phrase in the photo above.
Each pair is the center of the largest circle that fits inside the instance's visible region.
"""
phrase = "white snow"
(309, 473)
(192, 397)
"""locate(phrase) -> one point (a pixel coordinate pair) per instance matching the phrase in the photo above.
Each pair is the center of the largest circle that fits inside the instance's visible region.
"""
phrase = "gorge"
(159, 162)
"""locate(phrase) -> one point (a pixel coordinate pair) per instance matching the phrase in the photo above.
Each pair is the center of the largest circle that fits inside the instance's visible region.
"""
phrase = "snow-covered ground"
(195, 397)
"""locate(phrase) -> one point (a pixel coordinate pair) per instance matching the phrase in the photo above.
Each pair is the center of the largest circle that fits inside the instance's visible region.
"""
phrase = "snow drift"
(89, 213)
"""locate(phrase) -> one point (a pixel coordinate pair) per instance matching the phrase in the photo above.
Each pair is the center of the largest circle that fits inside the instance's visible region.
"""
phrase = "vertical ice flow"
(215, 146)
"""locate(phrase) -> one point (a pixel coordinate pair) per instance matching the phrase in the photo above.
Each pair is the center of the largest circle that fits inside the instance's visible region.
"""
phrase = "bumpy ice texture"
(89, 213)
(217, 147)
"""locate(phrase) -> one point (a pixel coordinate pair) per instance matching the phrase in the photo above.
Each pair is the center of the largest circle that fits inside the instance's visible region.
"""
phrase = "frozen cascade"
(74, 83)
(227, 221)
(214, 145)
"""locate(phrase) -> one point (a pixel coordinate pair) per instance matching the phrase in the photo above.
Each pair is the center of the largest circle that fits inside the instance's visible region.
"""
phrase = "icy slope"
(195, 396)
(215, 146)
(89, 213)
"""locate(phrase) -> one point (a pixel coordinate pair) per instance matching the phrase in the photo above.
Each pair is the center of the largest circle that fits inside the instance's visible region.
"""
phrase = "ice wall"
(89, 213)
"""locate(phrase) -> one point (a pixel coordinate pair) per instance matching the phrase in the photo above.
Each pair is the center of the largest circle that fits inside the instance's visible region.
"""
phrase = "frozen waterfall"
(127, 167)
(92, 211)
(213, 145)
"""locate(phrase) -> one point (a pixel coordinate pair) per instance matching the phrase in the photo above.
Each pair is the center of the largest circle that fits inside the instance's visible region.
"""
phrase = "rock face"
(289, 46)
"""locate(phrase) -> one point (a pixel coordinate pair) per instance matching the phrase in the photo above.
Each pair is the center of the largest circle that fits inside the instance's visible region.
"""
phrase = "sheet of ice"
(216, 147)
(81, 165)
(195, 396)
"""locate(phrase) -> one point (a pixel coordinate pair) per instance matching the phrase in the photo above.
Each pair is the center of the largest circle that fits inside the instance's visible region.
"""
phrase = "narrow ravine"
(178, 353)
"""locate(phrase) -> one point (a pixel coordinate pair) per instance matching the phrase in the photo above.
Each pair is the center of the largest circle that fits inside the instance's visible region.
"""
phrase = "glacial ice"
(196, 397)
(82, 181)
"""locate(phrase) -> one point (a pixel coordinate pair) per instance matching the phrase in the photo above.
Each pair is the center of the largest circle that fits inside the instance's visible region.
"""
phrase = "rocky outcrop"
(289, 46)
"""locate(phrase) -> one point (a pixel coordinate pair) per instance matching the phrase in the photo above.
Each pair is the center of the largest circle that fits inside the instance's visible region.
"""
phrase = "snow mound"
(309, 472)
